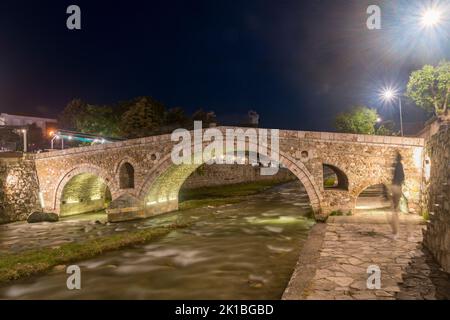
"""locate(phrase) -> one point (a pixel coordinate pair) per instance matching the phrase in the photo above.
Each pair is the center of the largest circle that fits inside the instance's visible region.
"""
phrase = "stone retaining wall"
(437, 196)
(219, 175)
(18, 189)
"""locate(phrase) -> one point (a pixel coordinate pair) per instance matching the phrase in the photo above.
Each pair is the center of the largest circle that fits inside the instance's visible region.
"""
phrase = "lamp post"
(390, 95)
(25, 140)
(431, 17)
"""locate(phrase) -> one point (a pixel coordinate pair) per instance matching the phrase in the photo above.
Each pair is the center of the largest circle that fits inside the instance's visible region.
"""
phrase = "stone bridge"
(137, 178)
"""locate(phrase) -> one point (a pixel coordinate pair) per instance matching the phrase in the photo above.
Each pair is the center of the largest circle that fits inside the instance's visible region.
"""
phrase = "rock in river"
(42, 216)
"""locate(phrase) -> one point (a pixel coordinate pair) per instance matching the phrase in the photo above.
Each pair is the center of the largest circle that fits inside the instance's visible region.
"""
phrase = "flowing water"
(241, 251)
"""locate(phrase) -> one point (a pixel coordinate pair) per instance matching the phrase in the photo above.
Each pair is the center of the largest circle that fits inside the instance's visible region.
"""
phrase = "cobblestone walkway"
(352, 244)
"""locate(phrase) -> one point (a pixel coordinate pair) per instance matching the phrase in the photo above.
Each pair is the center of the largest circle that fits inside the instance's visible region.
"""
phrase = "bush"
(329, 182)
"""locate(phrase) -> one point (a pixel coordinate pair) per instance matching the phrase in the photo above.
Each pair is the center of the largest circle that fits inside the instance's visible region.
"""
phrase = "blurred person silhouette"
(397, 182)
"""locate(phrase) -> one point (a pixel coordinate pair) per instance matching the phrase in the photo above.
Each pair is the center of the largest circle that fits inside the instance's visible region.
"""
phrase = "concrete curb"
(306, 266)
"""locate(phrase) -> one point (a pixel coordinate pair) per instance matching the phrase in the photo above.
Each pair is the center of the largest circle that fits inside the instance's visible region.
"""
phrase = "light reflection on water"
(241, 251)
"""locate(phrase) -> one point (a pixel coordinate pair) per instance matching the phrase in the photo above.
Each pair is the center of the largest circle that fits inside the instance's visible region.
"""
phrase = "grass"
(426, 215)
(27, 263)
(329, 182)
(221, 195)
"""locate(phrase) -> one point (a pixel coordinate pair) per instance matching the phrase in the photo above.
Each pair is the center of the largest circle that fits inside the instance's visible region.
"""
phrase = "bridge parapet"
(283, 134)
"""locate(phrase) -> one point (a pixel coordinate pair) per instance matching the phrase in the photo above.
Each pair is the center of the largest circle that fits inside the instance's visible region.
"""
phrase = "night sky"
(297, 63)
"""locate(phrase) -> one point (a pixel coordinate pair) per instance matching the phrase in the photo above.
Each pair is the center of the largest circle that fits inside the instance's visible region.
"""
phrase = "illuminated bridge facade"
(137, 178)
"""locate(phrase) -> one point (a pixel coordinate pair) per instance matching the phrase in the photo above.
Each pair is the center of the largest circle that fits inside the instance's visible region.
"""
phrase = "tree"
(144, 117)
(10, 139)
(87, 118)
(35, 137)
(99, 120)
(176, 117)
(71, 113)
(387, 128)
(359, 120)
(429, 88)
(205, 117)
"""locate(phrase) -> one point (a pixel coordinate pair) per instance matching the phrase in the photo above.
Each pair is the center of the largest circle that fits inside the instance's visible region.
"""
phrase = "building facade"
(16, 120)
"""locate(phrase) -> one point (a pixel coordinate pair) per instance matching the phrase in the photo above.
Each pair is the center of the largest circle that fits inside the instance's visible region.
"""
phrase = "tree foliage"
(87, 118)
(387, 128)
(360, 120)
(139, 117)
(71, 113)
(206, 117)
(99, 120)
(143, 118)
(176, 117)
(429, 88)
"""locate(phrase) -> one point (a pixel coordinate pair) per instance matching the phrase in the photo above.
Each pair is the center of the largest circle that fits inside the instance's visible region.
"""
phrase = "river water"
(240, 251)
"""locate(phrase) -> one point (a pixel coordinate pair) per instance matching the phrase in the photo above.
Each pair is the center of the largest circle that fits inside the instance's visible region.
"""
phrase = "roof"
(28, 117)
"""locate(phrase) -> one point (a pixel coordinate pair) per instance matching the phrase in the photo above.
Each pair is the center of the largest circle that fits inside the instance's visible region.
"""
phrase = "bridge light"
(41, 199)
(70, 137)
(389, 94)
(162, 200)
(11, 180)
(417, 157)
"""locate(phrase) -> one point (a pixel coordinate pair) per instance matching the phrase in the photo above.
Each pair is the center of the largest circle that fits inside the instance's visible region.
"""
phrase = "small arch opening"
(126, 176)
(374, 197)
(334, 178)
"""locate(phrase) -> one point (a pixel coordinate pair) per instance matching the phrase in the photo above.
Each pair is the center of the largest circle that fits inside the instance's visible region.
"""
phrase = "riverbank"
(349, 245)
(22, 257)
(32, 262)
(235, 251)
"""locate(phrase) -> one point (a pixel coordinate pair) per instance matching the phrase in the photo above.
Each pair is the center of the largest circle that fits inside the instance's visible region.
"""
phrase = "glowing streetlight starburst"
(388, 94)
(431, 18)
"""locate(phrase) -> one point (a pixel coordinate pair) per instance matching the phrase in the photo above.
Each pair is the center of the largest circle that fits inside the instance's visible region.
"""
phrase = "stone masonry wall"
(219, 175)
(437, 196)
(18, 189)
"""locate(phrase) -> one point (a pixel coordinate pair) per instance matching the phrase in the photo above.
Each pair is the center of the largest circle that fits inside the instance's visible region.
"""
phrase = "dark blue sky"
(297, 63)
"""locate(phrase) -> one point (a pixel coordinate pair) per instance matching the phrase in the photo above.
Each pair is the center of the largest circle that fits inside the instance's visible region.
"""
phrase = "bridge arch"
(86, 175)
(341, 183)
(159, 191)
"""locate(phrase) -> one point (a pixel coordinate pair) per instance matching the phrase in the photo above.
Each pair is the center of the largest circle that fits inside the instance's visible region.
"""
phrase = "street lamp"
(431, 17)
(25, 140)
(389, 95)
